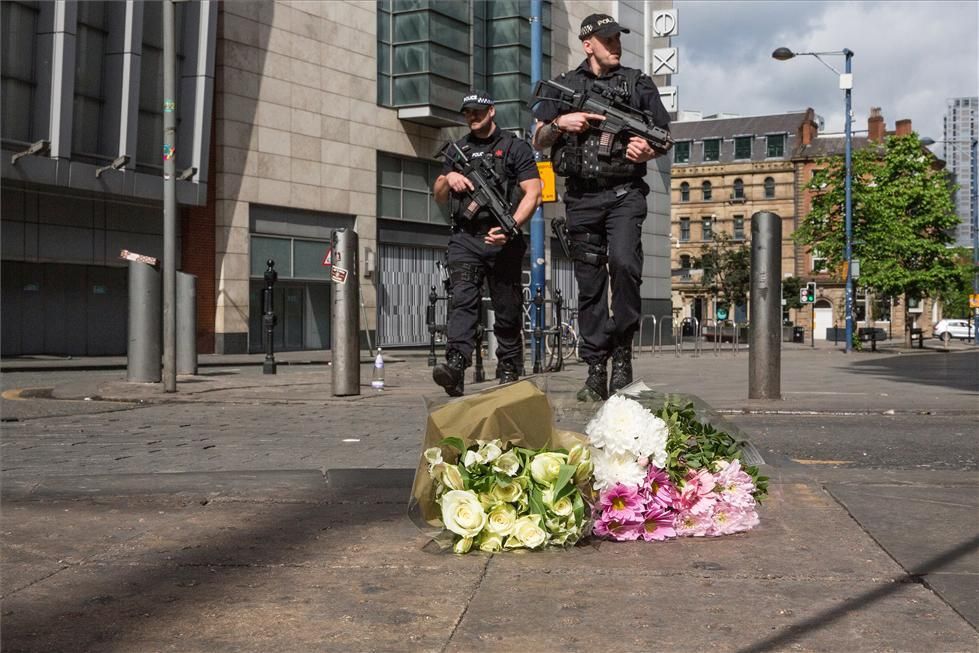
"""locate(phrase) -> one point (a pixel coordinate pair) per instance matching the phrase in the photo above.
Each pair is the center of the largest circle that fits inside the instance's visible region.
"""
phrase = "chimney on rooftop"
(809, 128)
(875, 125)
(902, 127)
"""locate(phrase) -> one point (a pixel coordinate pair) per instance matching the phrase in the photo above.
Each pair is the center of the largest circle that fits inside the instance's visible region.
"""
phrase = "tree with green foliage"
(903, 217)
(727, 269)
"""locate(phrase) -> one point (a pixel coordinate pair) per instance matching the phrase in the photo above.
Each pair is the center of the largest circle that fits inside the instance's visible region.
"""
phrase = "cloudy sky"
(909, 57)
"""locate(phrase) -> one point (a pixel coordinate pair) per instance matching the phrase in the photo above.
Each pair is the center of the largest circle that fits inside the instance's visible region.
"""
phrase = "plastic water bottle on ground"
(377, 378)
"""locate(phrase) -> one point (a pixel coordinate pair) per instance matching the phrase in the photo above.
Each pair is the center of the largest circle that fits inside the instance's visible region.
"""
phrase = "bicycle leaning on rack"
(568, 337)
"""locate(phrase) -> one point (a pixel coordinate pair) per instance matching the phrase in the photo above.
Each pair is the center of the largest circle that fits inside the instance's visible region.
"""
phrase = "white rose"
(462, 513)
(490, 451)
(563, 507)
(433, 456)
(507, 464)
(452, 478)
(577, 454)
(501, 520)
(545, 467)
(506, 493)
(490, 542)
(527, 531)
(463, 545)
(471, 458)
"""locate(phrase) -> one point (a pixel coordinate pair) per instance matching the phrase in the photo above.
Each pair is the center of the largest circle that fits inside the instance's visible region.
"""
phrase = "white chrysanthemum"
(652, 441)
(616, 468)
(623, 426)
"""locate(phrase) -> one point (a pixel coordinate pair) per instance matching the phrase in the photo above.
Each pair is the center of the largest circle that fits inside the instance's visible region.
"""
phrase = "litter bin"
(799, 334)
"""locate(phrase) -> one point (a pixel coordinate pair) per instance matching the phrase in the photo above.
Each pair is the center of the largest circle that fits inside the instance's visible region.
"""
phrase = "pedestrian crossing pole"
(169, 200)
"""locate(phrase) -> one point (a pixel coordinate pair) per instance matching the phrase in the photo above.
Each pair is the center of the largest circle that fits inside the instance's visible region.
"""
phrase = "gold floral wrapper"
(517, 413)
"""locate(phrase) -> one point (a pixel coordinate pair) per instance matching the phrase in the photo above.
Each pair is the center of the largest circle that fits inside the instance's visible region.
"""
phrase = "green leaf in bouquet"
(455, 443)
(579, 509)
(537, 502)
(563, 486)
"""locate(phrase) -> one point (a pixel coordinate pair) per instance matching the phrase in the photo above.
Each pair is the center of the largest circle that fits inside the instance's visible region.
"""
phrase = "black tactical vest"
(577, 155)
(498, 150)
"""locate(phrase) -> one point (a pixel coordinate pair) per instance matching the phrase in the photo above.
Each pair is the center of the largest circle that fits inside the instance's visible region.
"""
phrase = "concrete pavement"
(249, 512)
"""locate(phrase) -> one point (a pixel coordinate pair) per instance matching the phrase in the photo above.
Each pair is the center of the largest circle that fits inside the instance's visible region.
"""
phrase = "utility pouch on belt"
(459, 272)
(588, 248)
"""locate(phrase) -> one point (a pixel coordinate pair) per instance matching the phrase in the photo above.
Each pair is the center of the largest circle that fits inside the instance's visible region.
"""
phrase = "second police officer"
(605, 201)
(479, 249)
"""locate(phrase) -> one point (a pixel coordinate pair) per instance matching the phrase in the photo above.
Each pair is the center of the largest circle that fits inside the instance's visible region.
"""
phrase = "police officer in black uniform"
(605, 200)
(479, 248)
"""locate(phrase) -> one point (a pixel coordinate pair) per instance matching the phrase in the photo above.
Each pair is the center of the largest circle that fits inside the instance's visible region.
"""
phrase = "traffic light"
(810, 292)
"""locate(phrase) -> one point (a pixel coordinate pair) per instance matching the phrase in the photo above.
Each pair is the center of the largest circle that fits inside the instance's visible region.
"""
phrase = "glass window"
(769, 188)
(149, 140)
(705, 190)
(712, 149)
(89, 94)
(308, 259)
(738, 191)
(681, 152)
(684, 229)
(818, 261)
(277, 249)
(739, 227)
(405, 189)
(684, 192)
(685, 261)
(17, 51)
(742, 147)
(776, 145)
(707, 228)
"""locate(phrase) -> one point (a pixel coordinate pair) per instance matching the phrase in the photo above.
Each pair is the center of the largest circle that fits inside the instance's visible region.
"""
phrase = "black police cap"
(600, 24)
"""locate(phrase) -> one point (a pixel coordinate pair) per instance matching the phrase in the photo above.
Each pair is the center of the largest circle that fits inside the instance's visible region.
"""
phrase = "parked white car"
(948, 329)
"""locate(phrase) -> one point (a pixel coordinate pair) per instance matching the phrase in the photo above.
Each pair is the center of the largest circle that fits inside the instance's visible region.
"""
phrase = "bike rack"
(736, 340)
(677, 343)
(642, 322)
(697, 345)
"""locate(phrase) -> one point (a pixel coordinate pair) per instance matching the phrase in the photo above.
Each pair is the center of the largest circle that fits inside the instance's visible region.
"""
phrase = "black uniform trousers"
(616, 215)
(470, 261)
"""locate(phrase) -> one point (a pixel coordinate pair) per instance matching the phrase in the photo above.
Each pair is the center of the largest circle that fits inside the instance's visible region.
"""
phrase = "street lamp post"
(846, 83)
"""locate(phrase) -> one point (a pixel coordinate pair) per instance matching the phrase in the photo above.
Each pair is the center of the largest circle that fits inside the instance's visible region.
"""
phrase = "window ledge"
(430, 116)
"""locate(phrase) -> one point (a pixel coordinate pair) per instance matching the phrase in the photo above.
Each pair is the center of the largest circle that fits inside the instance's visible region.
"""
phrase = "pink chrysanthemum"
(621, 531)
(657, 524)
(658, 489)
(692, 524)
(728, 519)
(734, 485)
(696, 493)
(621, 503)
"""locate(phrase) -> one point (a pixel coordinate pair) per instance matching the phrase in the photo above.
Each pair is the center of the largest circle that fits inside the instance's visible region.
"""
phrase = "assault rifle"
(619, 116)
(486, 193)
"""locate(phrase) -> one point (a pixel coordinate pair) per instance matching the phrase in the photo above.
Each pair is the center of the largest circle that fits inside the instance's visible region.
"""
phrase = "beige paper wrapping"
(518, 413)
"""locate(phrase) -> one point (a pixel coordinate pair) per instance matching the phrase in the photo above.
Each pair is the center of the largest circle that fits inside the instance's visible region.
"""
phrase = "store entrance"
(303, 313)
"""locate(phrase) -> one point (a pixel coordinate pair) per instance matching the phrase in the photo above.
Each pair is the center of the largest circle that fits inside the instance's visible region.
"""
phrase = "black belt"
(477, 227)
(601, 185)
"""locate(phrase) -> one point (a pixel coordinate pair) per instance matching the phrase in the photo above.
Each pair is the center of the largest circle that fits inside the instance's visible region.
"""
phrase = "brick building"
(725, 169)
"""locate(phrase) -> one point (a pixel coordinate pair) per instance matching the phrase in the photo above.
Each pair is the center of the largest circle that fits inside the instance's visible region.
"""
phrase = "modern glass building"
(960, 131)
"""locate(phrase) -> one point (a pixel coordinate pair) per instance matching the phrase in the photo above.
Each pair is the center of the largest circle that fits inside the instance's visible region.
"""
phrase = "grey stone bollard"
(186, 323)
(765, 307)
(345, 331)
(145, 338)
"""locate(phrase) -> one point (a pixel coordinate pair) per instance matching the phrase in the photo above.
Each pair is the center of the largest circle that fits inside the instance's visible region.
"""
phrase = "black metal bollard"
(558, 335)
(538, 331)
(430, 321)
(269, 319)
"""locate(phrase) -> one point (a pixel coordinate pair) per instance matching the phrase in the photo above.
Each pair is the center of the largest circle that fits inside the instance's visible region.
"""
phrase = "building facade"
(960, 132)
(726, 169)
(82, 159)
(326, 115)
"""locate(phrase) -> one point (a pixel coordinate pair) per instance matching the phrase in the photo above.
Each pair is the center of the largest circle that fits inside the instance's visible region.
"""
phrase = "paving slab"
(346, 570)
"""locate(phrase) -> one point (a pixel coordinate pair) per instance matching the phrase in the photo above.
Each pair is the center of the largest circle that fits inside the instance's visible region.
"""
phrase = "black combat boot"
(621, 369)
(452, 373)
(508, 371)
(596, 385)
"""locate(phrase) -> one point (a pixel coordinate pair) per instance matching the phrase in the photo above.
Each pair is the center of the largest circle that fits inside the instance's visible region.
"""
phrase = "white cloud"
(909, 58)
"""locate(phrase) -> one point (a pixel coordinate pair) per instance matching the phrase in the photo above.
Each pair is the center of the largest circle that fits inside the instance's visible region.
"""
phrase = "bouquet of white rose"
(497, 496)
(496, 475)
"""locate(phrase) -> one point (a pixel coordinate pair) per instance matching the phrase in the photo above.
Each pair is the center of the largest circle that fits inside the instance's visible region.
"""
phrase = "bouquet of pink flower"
(667, 474)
